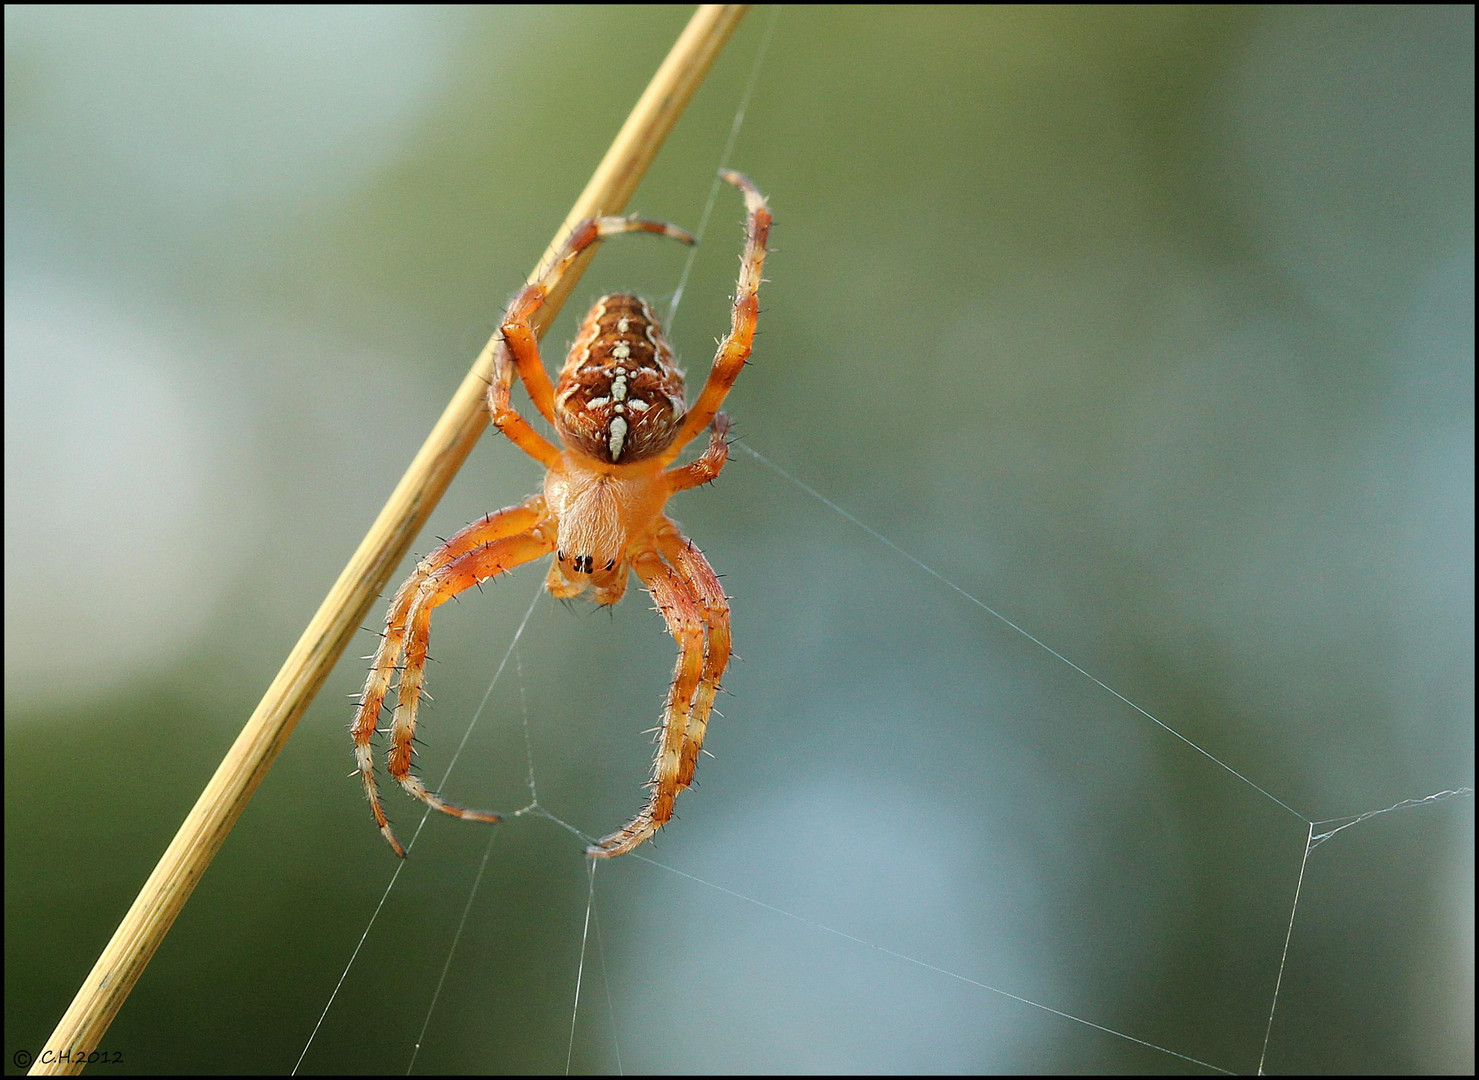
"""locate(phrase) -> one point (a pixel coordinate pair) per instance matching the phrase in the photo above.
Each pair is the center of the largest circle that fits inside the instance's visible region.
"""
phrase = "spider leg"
(704, 583)
(704, 468)
(506, 418)
(504, 523)
(447, 581)
(734, 350)
(521, 346)
(684, 615)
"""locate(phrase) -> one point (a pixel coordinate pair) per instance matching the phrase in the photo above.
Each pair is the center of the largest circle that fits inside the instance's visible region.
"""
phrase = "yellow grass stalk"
(343, 610)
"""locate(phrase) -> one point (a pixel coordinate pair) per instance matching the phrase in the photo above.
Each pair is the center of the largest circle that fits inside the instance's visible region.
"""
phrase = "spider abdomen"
(620, 395)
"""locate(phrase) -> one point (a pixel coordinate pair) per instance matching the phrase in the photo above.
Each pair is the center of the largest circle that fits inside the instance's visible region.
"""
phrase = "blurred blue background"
(1150, 327)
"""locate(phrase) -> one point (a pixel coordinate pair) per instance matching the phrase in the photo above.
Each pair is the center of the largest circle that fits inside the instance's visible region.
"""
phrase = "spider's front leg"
(681, 610)
(693, 605)
(704, 583)
(457, 576)
(695, 569)
(486, 547)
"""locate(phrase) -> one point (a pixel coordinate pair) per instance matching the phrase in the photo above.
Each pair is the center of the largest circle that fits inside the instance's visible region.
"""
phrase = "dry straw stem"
(343, 610)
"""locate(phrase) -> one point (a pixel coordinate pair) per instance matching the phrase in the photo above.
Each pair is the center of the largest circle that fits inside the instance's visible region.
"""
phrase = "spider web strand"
(814, 493)
(1317, 839)
(734, 130)
(452, 951)
(606, 985)
(401, 863)
(590, 900)
(885, 950)
(345, 973)
(1284, 956)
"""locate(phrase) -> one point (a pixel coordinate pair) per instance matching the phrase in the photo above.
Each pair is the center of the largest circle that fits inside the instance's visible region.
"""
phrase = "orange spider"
(620, 415)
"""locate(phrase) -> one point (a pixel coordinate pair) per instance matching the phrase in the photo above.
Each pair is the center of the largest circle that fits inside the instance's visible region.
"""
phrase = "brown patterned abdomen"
(620, 396)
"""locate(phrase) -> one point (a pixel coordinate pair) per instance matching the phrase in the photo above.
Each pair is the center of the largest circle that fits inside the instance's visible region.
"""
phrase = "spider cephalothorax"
(620, 416)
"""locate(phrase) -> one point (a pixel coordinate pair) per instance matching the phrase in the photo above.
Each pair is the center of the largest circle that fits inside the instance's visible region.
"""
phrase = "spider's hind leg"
(521, 344)
(734, 350)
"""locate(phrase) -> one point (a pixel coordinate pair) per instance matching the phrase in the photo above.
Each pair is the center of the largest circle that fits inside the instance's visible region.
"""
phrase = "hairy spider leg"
(509, 420)
(457, 576)
(734, 350)
(691, 564)
(704, 584)
(496, 526)
(521, 346)
(705, 468)
(684, 615)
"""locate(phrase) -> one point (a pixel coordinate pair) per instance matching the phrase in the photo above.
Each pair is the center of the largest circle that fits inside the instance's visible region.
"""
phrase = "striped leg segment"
(694, 606)
(734, 350)
(475, 540)
(519, 349)
(684, 615)
(704, 583)
(705, 468)
(457, 576)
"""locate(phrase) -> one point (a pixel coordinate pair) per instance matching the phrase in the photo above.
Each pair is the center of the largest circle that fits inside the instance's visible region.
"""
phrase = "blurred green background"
(1150, 327)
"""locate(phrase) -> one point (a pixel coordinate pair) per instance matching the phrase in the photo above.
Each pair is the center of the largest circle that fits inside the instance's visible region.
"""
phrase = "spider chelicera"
(621, 419)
